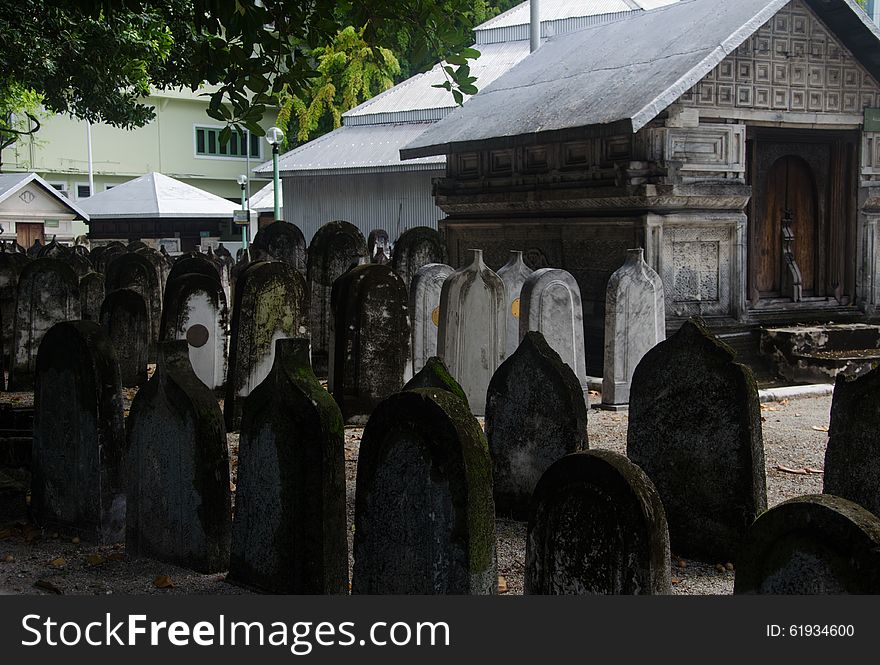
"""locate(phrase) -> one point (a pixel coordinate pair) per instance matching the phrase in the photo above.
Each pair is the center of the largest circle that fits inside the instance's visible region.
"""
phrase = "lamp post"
(242, 182)
(274, 136)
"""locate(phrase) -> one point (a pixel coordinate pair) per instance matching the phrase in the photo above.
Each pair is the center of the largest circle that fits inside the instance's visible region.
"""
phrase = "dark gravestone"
(335, 247)
(52, 250)
(535, 414)
(195, 263)
(79, 435)
(415, 248)
(370, 339)
(270, 304)
(125, 320)
(11, 265)
(695, 429)
(377, 242)
(811, 545)
(852, 458)
(424, 518)
(289, 533)
(136, 272)
(285, 242)
(159, 265)
(34, 250)
(178, 469)
(435, 375)
(47, 293)
(91, 296)
(111, 251)
(95, 256)
(597, 526)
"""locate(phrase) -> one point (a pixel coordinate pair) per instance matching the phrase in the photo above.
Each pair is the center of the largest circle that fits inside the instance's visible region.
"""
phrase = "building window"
(60, 187)
(208, 144)
(83, 191)
(52, 223)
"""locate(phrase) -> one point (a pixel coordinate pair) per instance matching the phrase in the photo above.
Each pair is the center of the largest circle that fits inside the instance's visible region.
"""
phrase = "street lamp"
(274, 136)
(242, 182)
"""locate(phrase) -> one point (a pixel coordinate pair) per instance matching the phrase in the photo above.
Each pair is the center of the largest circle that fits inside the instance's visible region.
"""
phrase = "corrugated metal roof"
(627, 71)
(509, 33)
(264, 199)
(356, 149)
(552, 10)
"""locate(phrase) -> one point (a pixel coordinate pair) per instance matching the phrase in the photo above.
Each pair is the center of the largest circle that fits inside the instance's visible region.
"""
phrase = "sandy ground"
(795, 436)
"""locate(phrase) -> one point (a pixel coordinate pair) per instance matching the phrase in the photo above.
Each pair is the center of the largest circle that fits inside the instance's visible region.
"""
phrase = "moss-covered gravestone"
(852, 458)
(334, 248)
(194, 263)
(424, 518)
(11, 265)
(134, 271)
(695, 429)
(812, 545)
(91, 296)
(369, 344)
(79, 435)
(270, 304)
(289, 533)
(47, 293)
(284, 241)
(415, 248)
(597, 526)
(103, 256)
(435, 375)
(125, 318)
(178, 469)
(535, 414)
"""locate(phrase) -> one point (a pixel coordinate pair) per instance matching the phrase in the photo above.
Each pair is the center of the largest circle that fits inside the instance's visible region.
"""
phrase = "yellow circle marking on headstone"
(435, 316)
(514, 308)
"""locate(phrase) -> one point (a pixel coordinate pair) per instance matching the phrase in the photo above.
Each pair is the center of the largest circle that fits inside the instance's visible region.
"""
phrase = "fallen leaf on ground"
(820, 428)
(9, 558)
(675, 581)
(816, 471)
(502, 584)
(163, 582)
(48, 586)
(95, 559)
(788, 469)
(58, 563)
(769, 407)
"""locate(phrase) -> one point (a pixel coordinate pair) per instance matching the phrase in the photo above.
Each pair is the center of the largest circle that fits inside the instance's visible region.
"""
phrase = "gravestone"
(378, 243)
(424, 308)
(34, 250)
(193, 263)
(852, 458)
(471, 339)
(195, 310)
(535, 414)
(285, 242)
(597, 527)
(435, 375)
(334, 248)
(424, 520)
(270, 303)
(635, 322)
(125, 320)
(55, 250)
(79, 435)
(695, 429)
(369, 344)
(134, 271)
(47, 293)
(91, 296)
(105, 257)
(812, 545)
(159, 265)
(550, 303)
(289, 533)
(11, 265)
(177, 479)
(415, 248)
(514, 274)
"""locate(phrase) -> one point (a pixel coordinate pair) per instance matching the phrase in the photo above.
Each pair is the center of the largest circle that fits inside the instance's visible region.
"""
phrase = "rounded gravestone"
(125, 320)
(91, 296)
(812, 545)
(289, 533)
(514, 274)
(597, 526)
(535, 414)
(195, 263)
(424, 310)
(11, 265)
(435, 375)
(424, 518)
(415, 248)
(135, 271)
(285, 242)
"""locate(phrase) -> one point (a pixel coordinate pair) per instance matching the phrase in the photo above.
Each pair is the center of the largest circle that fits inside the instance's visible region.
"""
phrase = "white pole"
(91, 170)
(534, 25)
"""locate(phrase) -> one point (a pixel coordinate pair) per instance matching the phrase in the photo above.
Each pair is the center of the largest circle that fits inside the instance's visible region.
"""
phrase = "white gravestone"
(424, 307)
(513, 274)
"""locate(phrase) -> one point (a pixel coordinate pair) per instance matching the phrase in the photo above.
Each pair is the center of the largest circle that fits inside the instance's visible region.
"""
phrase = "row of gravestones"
(597, 523)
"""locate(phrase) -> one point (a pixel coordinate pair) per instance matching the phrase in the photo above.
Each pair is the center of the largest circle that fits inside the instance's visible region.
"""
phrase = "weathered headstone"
(195, 310)
(334, 248)
(695, 429)
(514, 274)
(179, 508)
(125, 319)
(435, 375)
(535, 414)
(270, 303)
(378, 242)
(550, 302)
(79, 435)
(597, 527)
(34, 250)
(852, 458)
(11, 265)
(812, 545)
(635, 322)
(369, 344)
(285, 242)
(91, 296)
(289, 533)
(47, 293)
(424, 519)
(106, 255)
(193, 263)
(472, 336)
(424, 310)
(135, 271)
(415, 248)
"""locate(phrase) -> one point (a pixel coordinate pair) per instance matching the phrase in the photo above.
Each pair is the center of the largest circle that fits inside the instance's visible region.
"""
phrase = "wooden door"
(26, 233)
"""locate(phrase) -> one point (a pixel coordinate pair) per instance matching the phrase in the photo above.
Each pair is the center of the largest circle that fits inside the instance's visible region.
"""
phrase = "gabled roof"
(624, 73)
(157, 196)
(11, 183)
